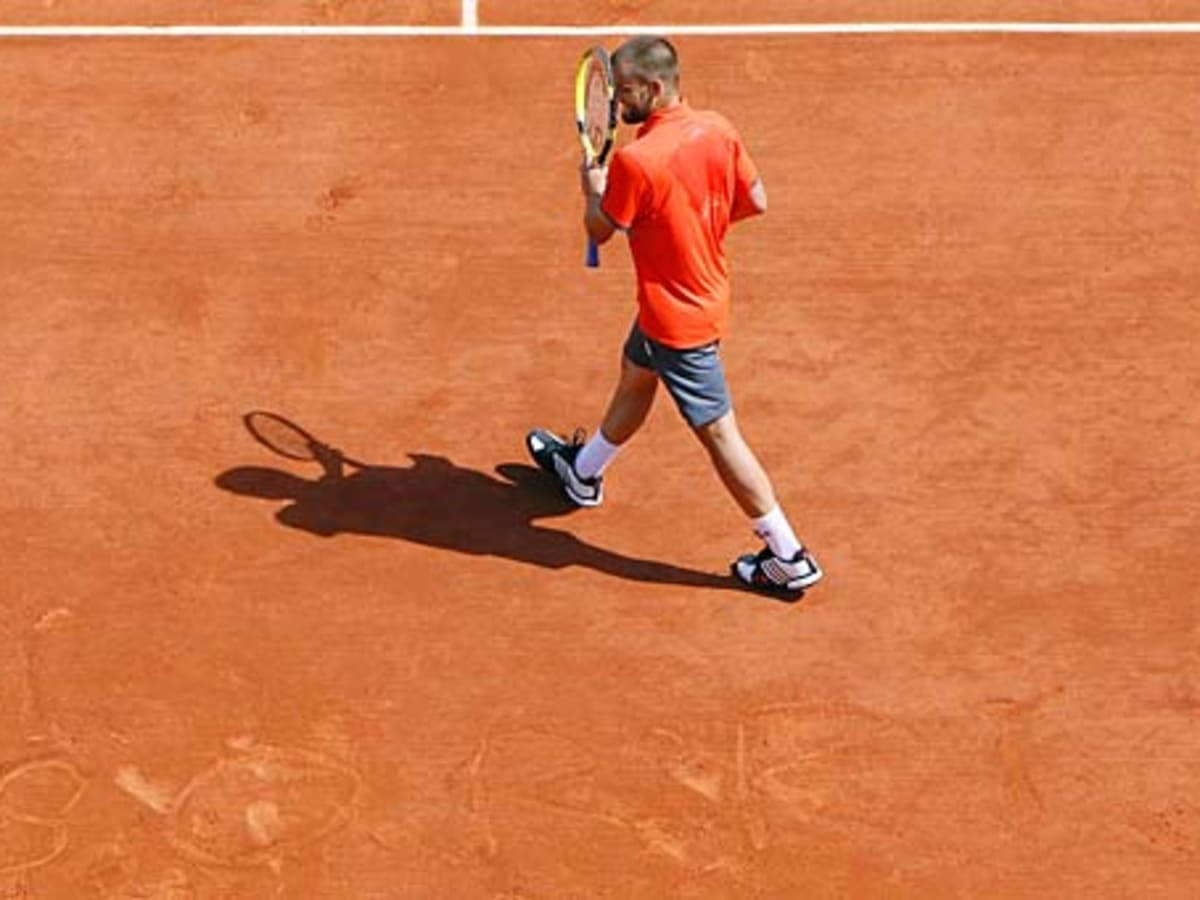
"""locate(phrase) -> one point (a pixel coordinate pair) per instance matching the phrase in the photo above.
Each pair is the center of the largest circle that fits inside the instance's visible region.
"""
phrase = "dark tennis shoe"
(555, 455)
(768, 573)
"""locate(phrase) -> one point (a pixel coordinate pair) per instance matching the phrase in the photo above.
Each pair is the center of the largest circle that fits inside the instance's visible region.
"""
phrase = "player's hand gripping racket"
(288, 439)
(595, 115)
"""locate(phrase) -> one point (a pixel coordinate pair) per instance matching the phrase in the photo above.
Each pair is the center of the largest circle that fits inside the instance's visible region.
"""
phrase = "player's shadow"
(439, 504)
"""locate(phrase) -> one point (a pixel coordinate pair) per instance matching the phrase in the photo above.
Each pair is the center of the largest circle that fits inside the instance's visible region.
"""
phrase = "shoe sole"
(778, 591)
(575, 498)
(578, 501)
(774, 591)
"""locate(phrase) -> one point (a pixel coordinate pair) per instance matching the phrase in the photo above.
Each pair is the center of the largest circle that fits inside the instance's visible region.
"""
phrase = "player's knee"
(720, 432)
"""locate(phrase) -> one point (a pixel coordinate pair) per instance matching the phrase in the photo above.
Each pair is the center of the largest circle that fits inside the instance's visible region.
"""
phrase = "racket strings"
(598, 108)
(283, 437)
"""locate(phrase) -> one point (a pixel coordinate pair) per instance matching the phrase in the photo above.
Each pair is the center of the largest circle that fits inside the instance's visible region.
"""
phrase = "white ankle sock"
(775, 529)
(595, 456)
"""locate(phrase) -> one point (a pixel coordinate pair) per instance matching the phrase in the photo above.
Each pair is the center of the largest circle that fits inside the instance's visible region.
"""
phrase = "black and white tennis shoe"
(556, 455)
(768, 573)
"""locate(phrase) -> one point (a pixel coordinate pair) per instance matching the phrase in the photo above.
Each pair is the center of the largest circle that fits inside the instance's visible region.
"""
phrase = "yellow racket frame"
(594, 155)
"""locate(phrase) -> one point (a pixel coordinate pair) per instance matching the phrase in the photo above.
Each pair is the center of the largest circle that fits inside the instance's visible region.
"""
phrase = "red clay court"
(965, 341)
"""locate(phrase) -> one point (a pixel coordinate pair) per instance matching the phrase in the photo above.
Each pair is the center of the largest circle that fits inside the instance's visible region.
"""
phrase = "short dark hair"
(650, 57)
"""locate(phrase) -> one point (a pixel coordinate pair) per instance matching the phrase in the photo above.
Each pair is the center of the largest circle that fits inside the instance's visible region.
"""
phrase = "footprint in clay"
(35, 799)
(254, 807)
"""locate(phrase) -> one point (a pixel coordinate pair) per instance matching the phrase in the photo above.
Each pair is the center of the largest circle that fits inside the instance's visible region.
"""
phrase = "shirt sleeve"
(627, 188)
(745, 172)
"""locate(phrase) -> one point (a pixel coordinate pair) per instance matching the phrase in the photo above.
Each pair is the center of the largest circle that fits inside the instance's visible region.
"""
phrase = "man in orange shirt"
(675, 191)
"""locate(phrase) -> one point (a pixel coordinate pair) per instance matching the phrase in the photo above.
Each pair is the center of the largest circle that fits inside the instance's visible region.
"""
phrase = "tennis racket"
(595, 116)
(290, 440)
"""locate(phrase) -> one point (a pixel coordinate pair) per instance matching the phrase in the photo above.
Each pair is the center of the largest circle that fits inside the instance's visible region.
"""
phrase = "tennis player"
(674, 191)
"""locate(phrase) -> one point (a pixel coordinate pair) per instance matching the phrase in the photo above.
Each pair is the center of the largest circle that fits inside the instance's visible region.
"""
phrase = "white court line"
(466, 29)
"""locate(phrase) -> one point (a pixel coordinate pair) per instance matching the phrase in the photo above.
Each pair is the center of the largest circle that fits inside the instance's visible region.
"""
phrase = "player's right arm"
(596, 223)
(749, 192)
(624, 194)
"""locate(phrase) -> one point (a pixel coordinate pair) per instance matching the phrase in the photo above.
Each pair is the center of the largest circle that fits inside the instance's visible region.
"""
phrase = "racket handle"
(593, 254)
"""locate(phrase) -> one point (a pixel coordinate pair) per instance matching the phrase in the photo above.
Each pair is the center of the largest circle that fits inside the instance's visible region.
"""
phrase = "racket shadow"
(436, 503)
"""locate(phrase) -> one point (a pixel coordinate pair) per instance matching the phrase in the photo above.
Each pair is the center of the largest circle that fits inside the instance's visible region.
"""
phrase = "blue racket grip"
(593, 254)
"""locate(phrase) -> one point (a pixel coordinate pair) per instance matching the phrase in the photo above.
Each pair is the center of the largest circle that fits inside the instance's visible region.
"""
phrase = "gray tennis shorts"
(694, 378)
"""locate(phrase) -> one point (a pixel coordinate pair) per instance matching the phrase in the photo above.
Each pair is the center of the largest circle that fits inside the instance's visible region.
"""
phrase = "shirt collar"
(664, 114)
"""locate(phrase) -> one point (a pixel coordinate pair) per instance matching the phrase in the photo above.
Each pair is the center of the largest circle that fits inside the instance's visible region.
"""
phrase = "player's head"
(646, 71)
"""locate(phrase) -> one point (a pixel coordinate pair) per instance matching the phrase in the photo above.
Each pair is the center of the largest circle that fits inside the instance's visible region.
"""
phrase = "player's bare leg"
(738, 467)
(784, 566)
(580, 465)
(630, 404)
(627, 410)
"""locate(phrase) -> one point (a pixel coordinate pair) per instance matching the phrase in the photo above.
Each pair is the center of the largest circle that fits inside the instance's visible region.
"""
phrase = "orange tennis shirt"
(672, 189)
